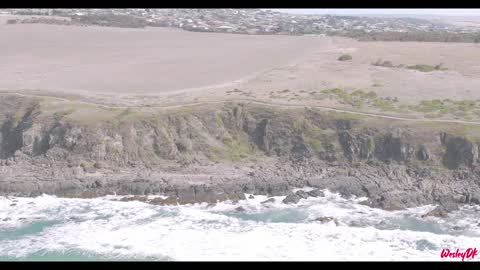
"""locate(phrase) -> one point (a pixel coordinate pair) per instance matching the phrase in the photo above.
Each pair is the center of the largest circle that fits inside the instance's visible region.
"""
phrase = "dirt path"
(264, 103)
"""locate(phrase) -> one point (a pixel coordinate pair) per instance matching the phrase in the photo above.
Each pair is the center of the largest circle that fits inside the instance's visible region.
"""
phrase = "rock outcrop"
(209, 154)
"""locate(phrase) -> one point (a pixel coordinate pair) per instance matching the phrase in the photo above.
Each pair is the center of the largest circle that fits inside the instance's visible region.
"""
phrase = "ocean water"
(50, 228)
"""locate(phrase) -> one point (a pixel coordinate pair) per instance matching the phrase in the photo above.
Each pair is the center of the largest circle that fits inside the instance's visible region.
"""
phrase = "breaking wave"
(325, 228)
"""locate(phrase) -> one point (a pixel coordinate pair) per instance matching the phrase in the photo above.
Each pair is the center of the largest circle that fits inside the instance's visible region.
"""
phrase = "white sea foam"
(269, 231)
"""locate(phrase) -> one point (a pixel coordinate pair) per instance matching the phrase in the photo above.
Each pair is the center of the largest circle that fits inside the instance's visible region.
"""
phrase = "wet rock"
(367, 202)
(236, 196)
(134, 198)
(316, 193)
(13, 204)
(448, 204)
(6, 219)
(251, 197)
(439, 211)
(203, 194)
(302, 194)
(240, 209)
(186, 195)
(473, 198)
(326, 220)
(167, 201)
(291, 198)
(271, 200)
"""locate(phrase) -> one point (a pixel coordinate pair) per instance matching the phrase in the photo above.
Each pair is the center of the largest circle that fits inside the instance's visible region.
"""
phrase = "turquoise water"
(54, 229)
(273, 216)
(26, 230)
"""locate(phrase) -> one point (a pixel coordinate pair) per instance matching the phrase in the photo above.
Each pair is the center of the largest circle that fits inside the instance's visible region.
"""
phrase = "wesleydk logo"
(470, 253)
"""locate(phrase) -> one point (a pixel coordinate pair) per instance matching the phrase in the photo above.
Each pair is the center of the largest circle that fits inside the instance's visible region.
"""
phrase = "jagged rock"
(439, 211)
(316, 193)
(271, 200)
(251, 196)
(291, 198)
(346, 186)
(391, 147)
(302, 194)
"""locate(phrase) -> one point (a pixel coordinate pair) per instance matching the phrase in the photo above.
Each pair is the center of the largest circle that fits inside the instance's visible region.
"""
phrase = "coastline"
(218, 153)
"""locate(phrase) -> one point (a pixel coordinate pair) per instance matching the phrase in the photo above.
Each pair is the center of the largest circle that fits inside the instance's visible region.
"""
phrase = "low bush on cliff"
(426, 68)
(345, 57)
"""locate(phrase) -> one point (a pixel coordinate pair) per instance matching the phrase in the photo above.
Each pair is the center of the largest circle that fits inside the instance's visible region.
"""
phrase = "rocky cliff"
(209, 153)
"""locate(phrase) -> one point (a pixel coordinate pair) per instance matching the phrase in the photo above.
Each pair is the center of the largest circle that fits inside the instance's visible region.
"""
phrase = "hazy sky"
(395, 11)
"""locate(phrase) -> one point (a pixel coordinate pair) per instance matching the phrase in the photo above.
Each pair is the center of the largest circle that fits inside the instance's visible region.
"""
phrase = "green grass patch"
(345, 57)
(383, 104)
(234, 149)
(448, 106)
(426, 68)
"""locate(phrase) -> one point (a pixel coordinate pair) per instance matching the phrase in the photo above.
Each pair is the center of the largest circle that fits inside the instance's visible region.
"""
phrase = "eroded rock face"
(355, 148)
(44, 152)
(423, 153)
(459, 152)
(393, 148)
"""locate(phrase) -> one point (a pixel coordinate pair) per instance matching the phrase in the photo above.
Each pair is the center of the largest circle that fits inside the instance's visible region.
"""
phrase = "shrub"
(345, 57)
(422, 68)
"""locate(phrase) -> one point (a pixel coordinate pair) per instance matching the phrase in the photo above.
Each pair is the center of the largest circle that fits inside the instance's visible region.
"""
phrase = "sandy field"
(161, 66)
(152, 60)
